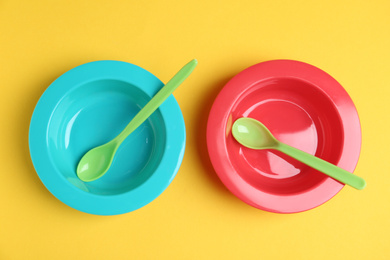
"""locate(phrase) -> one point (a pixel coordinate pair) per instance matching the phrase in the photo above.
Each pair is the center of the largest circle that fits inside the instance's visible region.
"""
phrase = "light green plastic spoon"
(253, 134)
(95, 163)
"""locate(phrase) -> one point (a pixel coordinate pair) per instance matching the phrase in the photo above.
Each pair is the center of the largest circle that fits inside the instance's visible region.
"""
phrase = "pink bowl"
(302, 106)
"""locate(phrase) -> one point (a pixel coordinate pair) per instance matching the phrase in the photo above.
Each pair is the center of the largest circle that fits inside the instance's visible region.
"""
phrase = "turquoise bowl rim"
(112, 204)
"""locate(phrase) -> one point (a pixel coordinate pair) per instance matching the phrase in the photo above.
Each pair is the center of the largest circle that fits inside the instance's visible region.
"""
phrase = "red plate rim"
(218, 127)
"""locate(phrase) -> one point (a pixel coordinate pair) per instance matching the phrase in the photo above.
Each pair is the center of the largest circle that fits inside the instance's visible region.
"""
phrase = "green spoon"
(253, 134)
(95, 163)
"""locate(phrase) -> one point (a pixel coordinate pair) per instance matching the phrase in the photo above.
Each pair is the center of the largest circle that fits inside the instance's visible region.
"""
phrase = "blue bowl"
(88, 106)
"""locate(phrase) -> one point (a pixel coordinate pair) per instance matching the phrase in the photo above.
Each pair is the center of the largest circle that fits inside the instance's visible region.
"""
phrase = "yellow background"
(196, 217)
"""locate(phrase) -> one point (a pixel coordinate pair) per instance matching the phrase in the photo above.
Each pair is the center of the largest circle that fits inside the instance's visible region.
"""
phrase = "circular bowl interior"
(87, 107)
(93, 114)
(297, 113)
(303, 107)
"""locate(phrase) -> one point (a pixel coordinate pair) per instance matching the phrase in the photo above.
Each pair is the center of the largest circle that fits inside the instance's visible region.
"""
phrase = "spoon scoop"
(95, 163)
(253, 134)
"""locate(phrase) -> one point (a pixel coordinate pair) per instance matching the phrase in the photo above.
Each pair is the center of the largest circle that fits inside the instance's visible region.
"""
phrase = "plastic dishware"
(253, 134)
(89, 105)
(95, 163)
(302, 106)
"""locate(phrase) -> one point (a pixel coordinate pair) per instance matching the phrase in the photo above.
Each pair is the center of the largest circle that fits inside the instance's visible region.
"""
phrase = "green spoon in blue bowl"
(96, 162)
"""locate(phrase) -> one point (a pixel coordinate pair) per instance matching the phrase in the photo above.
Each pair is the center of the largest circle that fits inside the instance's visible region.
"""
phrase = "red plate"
(302, 106)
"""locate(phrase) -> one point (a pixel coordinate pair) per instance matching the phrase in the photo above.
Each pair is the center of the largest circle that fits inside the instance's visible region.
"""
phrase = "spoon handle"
(157, 100)
(323, 166)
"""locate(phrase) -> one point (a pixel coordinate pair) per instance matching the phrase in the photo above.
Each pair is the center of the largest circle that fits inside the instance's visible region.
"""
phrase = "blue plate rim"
(96, 204)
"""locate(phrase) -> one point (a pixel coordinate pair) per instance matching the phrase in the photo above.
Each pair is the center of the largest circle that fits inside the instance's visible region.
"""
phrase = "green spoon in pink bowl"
(253, 134)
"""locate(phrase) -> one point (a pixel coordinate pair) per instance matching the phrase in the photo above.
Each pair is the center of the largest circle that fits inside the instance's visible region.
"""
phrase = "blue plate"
(88, 106)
